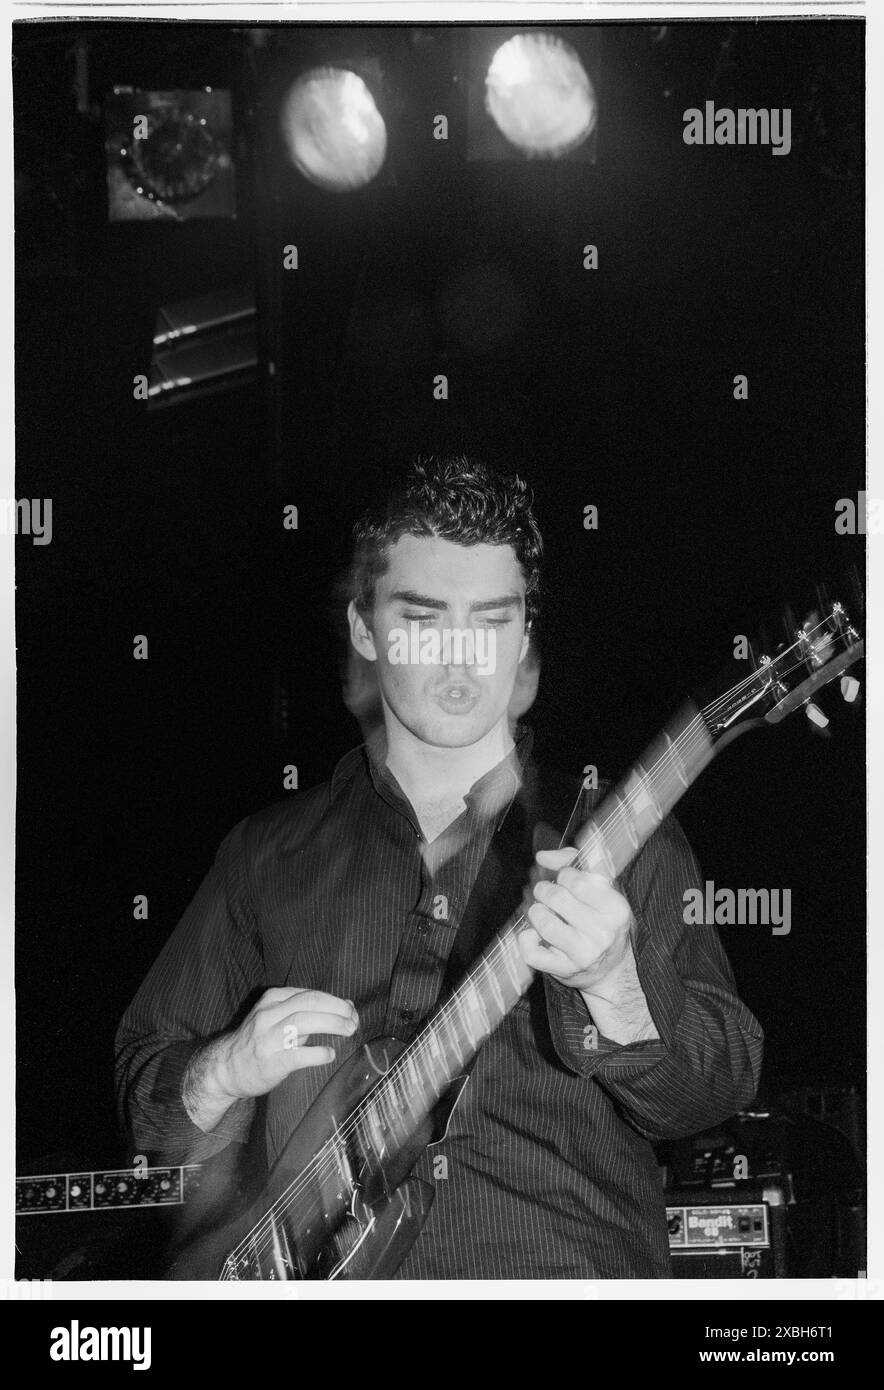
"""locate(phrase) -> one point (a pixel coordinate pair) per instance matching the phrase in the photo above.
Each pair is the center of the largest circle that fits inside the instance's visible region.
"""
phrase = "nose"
(458, 650)
(468, 651)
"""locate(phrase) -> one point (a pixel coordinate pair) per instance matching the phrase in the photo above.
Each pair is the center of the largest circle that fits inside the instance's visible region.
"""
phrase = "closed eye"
(431, 618)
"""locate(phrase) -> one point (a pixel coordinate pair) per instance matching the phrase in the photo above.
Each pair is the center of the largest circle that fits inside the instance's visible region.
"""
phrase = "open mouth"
(457, 699)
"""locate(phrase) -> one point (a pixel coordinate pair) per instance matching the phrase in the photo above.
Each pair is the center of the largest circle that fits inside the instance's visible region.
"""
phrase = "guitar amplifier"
(118, 1223)
(736, 1232)
(765, 1195)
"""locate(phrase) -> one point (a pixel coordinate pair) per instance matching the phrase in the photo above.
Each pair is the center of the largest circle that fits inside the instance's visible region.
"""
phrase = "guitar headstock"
(824, 648)
(817, 652)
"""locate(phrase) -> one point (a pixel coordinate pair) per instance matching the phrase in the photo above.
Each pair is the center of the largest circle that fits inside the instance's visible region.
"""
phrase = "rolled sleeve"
(201, 980)
(706, 1062)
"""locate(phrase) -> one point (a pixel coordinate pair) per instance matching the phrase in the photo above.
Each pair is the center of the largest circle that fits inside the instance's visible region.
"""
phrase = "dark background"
(611, 387)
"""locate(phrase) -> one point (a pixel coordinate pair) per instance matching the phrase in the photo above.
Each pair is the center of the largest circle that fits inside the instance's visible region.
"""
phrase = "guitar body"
(328, 1210)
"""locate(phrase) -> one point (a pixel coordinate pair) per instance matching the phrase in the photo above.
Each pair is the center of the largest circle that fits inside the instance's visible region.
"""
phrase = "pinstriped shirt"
(546, 1168)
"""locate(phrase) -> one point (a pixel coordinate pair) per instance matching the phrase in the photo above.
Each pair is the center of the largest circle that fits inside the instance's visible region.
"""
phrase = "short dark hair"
(457, 499)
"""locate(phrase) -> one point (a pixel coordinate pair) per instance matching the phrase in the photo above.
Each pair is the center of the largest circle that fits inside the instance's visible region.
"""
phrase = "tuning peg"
(815, 715)
(849, 688)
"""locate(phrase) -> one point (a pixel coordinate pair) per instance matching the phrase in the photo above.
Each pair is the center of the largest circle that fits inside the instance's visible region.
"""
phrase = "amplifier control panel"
(718, 1227)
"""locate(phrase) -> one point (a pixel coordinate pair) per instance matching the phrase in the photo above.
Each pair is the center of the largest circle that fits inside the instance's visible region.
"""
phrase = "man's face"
(432, 587)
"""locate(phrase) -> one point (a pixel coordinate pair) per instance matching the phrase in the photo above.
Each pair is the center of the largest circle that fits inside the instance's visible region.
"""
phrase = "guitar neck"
(607, 843)
(630, 813)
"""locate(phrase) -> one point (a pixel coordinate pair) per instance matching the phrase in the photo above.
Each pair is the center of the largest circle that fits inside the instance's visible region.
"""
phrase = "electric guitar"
(339, 1202)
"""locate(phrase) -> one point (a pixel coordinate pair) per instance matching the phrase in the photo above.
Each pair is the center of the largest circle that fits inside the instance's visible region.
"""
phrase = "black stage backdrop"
(612, 387)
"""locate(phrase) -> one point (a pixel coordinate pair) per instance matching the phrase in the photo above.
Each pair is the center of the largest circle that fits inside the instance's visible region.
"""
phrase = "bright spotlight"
(334, 133)
(539, 95)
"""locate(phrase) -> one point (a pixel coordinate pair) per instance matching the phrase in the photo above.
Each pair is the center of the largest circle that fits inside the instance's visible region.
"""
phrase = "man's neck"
(432, 776)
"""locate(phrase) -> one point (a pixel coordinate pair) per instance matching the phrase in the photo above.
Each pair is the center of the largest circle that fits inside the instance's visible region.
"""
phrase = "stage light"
(169, 155)
(539, 95)
(333, 130)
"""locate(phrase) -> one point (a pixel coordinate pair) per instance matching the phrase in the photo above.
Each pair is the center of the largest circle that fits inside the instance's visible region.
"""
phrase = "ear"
(360, 634)
(526, 643)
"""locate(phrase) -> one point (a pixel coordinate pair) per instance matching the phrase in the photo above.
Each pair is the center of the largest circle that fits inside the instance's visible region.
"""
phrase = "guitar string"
(325, 1160)
(440, 1022)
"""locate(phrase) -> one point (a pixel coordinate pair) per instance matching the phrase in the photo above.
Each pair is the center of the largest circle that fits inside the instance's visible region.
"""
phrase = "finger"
(276, 995)
(589, 878)
(309, 1000)
(299, 1025)
(311, 1057)
(562, 901)
(597, 892)
(555, 858)
(328, 1003)
(541, 957)
(593, 904)
(553, 930)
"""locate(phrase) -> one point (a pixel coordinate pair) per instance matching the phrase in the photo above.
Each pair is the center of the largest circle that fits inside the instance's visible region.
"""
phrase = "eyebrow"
(425, 601)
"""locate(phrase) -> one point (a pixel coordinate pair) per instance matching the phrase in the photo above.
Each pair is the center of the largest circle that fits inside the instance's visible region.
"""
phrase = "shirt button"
(406, 1015)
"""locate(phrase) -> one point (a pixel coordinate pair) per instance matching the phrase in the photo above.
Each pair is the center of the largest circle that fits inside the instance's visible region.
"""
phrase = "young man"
(346, 913)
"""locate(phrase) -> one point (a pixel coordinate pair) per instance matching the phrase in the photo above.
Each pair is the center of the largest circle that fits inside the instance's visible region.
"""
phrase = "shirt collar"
(492, 794)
